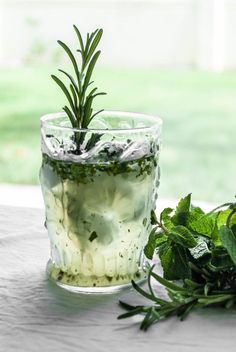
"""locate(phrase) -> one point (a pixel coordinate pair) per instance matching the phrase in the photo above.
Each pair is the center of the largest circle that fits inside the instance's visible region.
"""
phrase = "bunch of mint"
(199, 250)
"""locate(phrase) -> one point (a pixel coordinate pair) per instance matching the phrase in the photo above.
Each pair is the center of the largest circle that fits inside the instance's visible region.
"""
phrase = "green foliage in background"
(198, 110)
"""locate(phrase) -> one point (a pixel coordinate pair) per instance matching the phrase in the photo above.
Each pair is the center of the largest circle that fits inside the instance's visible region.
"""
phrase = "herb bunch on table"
(197, 251)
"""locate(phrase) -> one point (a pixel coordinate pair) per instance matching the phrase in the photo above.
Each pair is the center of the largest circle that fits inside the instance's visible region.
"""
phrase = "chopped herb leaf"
(93, 236)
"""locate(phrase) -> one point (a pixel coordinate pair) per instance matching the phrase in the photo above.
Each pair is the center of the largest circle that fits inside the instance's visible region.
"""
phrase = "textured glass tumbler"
(99, 187)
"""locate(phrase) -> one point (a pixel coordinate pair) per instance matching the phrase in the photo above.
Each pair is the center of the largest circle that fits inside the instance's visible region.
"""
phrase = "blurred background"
(172, 58)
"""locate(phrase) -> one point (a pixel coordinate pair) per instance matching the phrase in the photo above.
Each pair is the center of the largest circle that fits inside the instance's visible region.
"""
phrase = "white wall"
(230, 36)
(136, 32)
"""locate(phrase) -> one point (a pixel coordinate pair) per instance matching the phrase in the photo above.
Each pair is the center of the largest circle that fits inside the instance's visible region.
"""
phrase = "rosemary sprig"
(80, 99)
(182, 300)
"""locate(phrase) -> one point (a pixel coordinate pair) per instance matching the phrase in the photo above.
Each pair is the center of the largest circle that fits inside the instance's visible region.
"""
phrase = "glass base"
(54, 275)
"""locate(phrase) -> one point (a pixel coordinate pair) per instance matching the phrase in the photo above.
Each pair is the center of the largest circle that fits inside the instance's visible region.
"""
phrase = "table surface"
(36, 315)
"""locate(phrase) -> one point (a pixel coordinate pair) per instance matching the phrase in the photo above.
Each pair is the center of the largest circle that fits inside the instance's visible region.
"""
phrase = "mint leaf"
(233, 228)
(183, 236)
(165, 254)
(233, 222)
(182, 211)
(201, 252)
(221, 259)
(149, 250)
(222, 217)
(154, 241)
(166, 218)
(153, 218)
(228, 240)
(195, 214)
(215, 236)
(204, 225)
(174, 262)
(151, 245)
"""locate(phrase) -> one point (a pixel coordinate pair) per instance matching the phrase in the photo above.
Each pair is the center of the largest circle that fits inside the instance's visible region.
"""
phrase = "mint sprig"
(199, 250)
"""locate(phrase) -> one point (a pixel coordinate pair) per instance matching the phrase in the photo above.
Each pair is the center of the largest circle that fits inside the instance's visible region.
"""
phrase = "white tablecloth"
(36, 316)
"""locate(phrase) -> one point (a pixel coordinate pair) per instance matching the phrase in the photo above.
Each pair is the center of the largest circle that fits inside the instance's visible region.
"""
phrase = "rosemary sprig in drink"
(80, 99)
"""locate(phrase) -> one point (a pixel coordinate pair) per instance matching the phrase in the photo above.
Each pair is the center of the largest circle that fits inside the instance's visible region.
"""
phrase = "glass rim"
(157, 122)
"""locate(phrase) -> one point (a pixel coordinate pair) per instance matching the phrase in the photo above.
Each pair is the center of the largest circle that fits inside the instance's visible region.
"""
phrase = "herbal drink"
(98, 215)
(99, 178)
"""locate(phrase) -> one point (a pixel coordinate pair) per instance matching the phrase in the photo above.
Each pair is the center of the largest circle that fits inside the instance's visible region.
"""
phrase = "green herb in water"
(199, 250)
(86, 172)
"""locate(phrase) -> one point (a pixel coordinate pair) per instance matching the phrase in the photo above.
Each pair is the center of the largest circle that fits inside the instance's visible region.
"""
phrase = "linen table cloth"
(36, 315)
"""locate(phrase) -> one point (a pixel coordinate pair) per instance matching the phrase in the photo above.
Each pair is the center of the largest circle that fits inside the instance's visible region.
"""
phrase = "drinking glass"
(99, 187)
